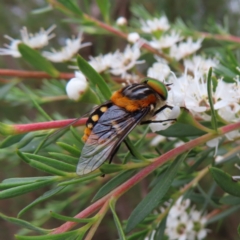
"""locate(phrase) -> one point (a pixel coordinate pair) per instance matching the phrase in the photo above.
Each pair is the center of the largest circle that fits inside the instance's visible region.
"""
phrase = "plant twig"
(32, 74)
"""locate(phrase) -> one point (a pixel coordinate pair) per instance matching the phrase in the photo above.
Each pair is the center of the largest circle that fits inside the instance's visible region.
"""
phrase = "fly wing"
(110, 130)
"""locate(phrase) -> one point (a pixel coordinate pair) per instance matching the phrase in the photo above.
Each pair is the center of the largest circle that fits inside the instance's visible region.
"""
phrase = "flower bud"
(76, 86)
(121, 21)
(133, 37)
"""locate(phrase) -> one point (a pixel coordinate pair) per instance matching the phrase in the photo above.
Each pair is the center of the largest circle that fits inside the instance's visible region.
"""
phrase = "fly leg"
(159, 121)
(111, 157)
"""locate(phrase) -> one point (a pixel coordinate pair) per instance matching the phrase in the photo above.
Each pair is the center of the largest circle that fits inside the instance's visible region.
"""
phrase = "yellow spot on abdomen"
(90, 125)
(95, 118)
(103, 109)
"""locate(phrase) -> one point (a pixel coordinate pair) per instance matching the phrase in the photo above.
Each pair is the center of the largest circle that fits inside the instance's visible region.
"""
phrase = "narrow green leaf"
(111, 168)
(210, 99)
(230, 200)
(52, 162)
(238, 230)
(181, 130)
(225, 181)
(71, 219)
(45, 196)
(61, 236)
(73, 150)
(71, 5)
(76, 135)
(116, 220)
(223, 214)
(28, 138)
(14, 182)
(51, 137)
(34, 58)
(113, 183)
(94, 77)
(42, 10)
(16, 191)
(46, 168)
(4, 89)
(160, 230)
(64, 157)
(11, 140)
(153, 198)
(32, 96)
(24, 224)
(79, 180)
(104, 6)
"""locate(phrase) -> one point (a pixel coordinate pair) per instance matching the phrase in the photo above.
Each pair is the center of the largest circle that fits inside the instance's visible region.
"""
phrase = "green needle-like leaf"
(61, 236)
(16, 191)
(71, 219)
(104, 6)
(225, 181)
(34, 58)
(24, 224)
(45, 196)
(94, 77)
(10, 140)
(113, 183)
(116, 220)
(210, 99)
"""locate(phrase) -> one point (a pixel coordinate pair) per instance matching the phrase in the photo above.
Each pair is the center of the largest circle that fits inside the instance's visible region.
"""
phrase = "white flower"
(133, 37)
(214, 143)
(66, 53)
(126, 60)
(12, 48)
(166, 41)
(200, 63)
(76, 86)
(156, 140)
(179, 207)
(121, 21)
(185, 49)
(131, 78)
(102, 63)
(37, 40)
(156, 24)
(159, 70)
(190, 92)
(185, 224)
(166, 114)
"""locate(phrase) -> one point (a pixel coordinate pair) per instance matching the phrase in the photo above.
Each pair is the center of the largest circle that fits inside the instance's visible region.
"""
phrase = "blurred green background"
(200, 14)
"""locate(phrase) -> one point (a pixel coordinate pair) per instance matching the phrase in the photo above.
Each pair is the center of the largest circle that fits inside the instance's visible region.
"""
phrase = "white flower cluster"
(190, 91)
(118, 63)
(184, 222)
(37, 40)
(154, 25)
(40, 40)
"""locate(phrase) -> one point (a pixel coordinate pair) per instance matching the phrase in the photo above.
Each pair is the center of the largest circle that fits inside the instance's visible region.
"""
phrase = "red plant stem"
(33, 74)
(143, 173)
(23, 128)
(229, 38)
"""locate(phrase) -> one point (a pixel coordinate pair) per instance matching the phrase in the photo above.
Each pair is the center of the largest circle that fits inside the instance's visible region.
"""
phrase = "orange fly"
(109, 124)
